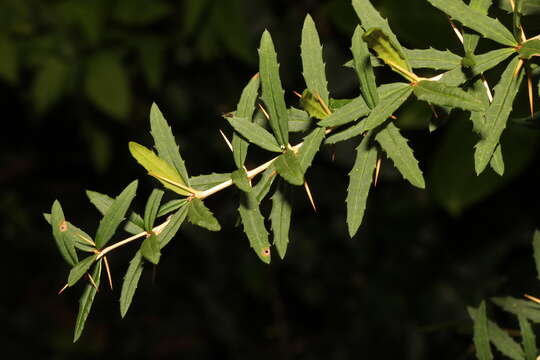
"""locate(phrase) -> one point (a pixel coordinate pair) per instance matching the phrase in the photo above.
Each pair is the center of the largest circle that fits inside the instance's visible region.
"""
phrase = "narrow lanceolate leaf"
(397, 149)
(440, 94)
(245, 109)
(299, 120)
(483, 63)
(264, 184)
(198, 214)
(310, 147)
(272, 91)
(131, 280)
(475, 20)
(115, 215)
(528, 339)
(481, 336)
(59, 229)
(360, 178)
(497, 115)
(351, 111)
(254, 227)
(363, 68)
(171, 206)
(536, 249)
(165, 143)
(525, 308)
(167, 234)
(150, 249)
(151, 209)
(254, 133)
(280, 216)
(207, 181)
(240, 179)
(80, 269)
(159, 168)
(497, 161)
(384, 109)
(470, 40)
(312, 60)
(388, 52)
(500, 338)
(530, 48)
(432, 59)
(370, 18)
(102, 202)
(78, 237)
(312, 105)
(86, 301)
(288, 166)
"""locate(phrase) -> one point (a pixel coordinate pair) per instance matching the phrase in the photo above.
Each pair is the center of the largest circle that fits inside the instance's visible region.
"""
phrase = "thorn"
(308, 192)
(226, 140)
(108, 271)
(433, 110)
(92, 281)
(264, 112)
(530, 88)
(377, 171)
(62, 289)
(87, 240)
(456, 30)
(323, 104)
(513, 5)
(532, 298)
(488, 90)
(333, 158)
(393, 117)
(297, 94)
(518, 67)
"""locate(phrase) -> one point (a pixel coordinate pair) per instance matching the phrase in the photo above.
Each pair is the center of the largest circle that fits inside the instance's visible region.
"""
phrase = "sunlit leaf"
(288, 166)
(386, 50)
(86, 301)
(311, 104)
(198, 214)
(272, 91)
(312, 60)
(254, 228)
(151, 209)
(159, 168)
(115, 215)
(280, 216)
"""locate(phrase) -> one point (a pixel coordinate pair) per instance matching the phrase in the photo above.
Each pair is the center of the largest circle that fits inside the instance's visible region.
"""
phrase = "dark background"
(77, 79)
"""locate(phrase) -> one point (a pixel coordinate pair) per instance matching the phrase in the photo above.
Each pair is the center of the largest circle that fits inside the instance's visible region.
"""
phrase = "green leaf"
(483, 63)
(254, 133)
(475, 20)
(363, 68)
(159, 168)
(387, 51)
(207, 181)
(299, 120)
(497, 115)
(500, 338)
(397, 149)
(49, 84)
(481, 336)
(310, 147)
(261, 189)
(470, 40)
(280, 216)
(530, 48)
(166, 144)
(432, 59)
(312, 105)
(86, 301)
(443, 95)
(131, 280)
(312, 60)
(288, 166)
(528, 309)
(75, 235)
(166, 235)
(9, 66)
(528, 339)
(360, 178)
(536, 249)
(198, 214)
(272, 91)
(171, 206)
(151, 209)
(115, 215)
(497, 161)
(150, 249)
(107, 85)
(254, 228)
(80, 269)
(370, 18)
(240, 179)
(59, 229)
(102, 202)
(351, 111)
(245, 109)
(382, 111)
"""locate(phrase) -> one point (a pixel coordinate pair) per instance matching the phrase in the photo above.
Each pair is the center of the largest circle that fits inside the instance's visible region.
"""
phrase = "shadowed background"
(77, 79)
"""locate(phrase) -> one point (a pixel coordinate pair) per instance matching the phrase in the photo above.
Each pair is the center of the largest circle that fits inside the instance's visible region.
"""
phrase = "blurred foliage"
(77, 81)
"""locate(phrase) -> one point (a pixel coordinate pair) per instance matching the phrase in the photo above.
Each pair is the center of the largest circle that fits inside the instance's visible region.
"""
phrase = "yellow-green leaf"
(386, 50)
